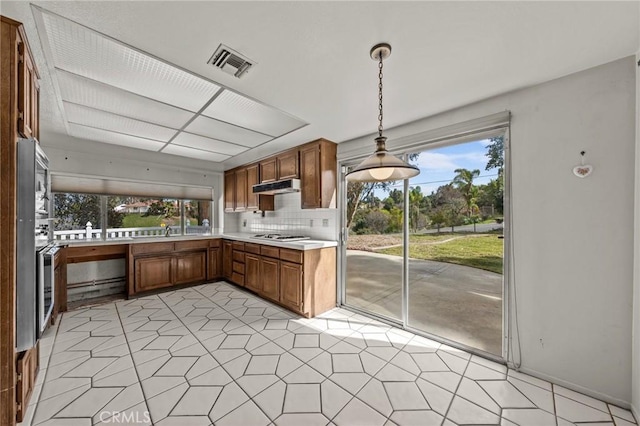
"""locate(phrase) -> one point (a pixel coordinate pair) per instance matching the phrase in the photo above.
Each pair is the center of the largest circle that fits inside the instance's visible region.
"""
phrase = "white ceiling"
(313, 60)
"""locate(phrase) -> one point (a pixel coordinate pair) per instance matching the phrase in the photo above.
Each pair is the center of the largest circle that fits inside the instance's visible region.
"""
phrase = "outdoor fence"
(88, 233)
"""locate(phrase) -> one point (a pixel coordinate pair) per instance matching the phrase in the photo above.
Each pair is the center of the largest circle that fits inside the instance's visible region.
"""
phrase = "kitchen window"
(79, 217)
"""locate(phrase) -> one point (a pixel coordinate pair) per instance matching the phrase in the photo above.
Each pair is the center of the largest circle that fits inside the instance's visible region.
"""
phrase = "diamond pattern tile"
(213, 354)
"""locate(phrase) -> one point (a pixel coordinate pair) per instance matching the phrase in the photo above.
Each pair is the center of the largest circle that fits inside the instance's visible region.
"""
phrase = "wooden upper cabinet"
(28, 93)
(268, 170)
(241, 190)
(318, 174)
(229, 191)
(288, 165)
(253, 200)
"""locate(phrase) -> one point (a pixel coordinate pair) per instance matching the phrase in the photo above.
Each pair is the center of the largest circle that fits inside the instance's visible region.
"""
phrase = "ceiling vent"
(230, 61)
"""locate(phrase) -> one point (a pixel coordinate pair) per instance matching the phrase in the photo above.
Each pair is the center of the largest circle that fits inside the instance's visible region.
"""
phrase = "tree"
(357, 192)
(377, 221)
(464, 182)
(73, 211)
(495, 152)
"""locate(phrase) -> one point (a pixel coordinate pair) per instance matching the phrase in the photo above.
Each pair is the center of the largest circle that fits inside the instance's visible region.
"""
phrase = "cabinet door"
(227, 259)
(270, 277)
(191, 267)
(268, 170)
(35, 108)
(153, 272)
(27, 369)
(229, 191)
(253, 200)
(214, 269)
(288, 165)
(291, 285)
(310, 177)
(241, 190)
(26, 76)
(252, 272)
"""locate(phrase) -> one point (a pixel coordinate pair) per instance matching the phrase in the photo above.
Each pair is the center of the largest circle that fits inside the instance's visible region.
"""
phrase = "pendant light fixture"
(381, 166)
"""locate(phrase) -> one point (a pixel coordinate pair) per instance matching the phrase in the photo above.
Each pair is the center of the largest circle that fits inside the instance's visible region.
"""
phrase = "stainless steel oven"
(45, 288)
(32, 236)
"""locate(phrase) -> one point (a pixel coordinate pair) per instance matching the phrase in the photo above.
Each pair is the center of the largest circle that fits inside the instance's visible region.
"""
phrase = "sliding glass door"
(373, 280)
(436, 241)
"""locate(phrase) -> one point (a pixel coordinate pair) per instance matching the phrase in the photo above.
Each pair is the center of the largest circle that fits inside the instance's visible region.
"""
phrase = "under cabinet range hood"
(279, 187)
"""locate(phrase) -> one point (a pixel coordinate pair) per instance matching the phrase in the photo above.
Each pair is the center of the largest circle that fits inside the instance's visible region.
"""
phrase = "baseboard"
(635, 413)
(589, 392)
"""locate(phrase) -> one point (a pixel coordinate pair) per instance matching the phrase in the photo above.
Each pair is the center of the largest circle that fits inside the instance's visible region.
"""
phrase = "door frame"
(507, 299)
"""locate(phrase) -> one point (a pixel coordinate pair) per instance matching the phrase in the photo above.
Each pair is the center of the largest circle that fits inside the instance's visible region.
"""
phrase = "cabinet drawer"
(238, 246)
(191, 245)
(270, 251)
(294, 256)
(215, 243)
(152, 248)
(237, 278)
(252, 248)
(238, 267)
(238, 256)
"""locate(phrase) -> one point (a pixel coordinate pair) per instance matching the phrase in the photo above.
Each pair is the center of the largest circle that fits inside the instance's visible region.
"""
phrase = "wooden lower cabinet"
(227, 259)
(27, 368)
(153, 272)
(270, 278)
(252, 272)
(214, 270)
(153, 266)
(191, 267)
(291, 285)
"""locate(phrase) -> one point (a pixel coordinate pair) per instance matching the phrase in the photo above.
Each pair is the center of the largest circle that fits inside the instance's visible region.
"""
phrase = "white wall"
(70, 155)
(573, 237)
(635, 401)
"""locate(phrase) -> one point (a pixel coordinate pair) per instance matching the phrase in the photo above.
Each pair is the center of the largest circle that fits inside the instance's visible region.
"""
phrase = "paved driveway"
(457, 302)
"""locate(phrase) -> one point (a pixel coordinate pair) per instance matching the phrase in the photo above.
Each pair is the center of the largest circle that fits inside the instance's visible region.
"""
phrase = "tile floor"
(214, 354)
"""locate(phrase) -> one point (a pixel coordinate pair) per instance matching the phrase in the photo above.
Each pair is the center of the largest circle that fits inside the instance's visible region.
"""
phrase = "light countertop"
(236, 236)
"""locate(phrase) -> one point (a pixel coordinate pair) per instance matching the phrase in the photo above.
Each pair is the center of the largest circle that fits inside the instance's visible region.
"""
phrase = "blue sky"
(437, 165)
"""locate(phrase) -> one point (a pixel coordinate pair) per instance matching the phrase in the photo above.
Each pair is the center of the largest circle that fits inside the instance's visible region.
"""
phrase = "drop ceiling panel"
(215, 129)
(104, 136)
(82, 51)
(90, 117)
(185, 151)
(83, 91)
(200, 142)
(244, 112)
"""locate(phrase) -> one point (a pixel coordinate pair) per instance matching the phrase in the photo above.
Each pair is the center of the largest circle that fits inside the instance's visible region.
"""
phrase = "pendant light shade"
(381, 166)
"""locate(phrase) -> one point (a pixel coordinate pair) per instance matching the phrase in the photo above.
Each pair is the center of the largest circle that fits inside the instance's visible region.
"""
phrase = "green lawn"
(135, 220)
(483, 251)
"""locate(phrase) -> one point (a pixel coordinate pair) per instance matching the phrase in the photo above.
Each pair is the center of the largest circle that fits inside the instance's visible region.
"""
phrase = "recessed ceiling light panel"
(83, 91)
(215, 129)
(200, 142)
(244, 112)
(85, 52)
(185, 151)
(90, 117)
(105, 136)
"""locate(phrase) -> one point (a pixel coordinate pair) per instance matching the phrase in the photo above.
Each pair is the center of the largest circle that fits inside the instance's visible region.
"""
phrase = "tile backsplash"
(288, 218)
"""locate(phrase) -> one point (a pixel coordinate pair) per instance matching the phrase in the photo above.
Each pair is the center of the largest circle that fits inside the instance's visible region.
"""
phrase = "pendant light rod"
(381, 166)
